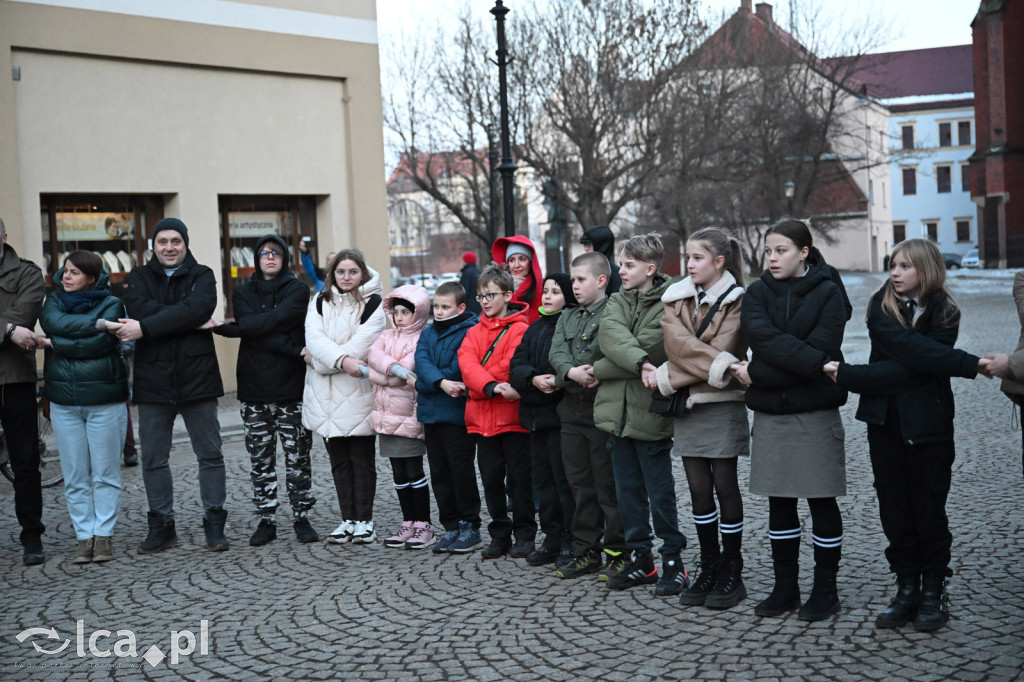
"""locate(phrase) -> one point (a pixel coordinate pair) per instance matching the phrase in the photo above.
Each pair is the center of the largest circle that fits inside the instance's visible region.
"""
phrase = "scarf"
(83, 300)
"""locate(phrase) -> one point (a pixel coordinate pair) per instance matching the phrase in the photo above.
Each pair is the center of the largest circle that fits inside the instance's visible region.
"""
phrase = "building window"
(944, 179)
(909, 180)
(899, 232)
(963, 133)
(931, 231)
(963, 230)
(945, 134)
(965, 177)
(907, 133)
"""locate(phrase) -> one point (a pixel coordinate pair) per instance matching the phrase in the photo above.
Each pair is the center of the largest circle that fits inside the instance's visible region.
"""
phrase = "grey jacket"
(21, 298)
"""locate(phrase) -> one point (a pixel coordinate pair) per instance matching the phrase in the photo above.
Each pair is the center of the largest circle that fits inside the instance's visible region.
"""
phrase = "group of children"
(573, 404)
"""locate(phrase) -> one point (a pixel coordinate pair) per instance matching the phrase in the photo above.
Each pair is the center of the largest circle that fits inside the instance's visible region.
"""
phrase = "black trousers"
(21, 432)
(554, 496)
(355, 475)
(501, 456)
(451, 453)
(912, 482)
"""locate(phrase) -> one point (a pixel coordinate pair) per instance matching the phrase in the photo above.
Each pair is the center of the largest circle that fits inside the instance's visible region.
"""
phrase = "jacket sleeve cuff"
(489, 389)
(664, 385)
(718, 375)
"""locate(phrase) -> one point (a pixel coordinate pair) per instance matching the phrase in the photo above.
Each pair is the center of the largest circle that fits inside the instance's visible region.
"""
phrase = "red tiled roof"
(746, 38)
(932, 71)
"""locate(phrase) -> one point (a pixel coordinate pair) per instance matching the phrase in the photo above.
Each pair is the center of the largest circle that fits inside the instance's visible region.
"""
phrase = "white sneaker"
(363, 533)
(342, 534)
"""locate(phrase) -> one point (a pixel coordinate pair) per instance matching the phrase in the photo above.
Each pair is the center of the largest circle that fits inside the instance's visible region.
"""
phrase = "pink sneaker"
(399, 539)
(422, 536)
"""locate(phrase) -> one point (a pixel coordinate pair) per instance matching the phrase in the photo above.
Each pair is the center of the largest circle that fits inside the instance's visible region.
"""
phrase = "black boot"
(933, 612)
(161, 534)
(696, 594)
(785, 595)
(824, 599)
(213, 526)
(904, 605)
(728, 590)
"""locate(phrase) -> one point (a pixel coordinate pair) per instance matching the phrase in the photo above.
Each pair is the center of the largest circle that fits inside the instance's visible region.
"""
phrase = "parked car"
(449, 277)
(426, 280)
(952, 260)
(970, 259)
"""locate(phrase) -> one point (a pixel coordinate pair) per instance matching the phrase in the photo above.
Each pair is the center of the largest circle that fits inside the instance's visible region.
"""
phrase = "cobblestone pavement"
(298, 611)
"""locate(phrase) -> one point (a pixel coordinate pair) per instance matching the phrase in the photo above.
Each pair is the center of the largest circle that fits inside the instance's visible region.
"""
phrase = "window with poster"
(113, 226)
(246, 219)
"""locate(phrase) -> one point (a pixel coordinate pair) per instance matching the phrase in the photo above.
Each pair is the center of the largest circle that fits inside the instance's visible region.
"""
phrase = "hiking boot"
(265, 532)
(213, 526)
(304, 531)
(469, 539)
(497, 549)
(521, 550)
(343, 533)
(83, 553)
(674, 578)
(447, 540)
(363, 533)
(565, 557)
(639, 571)
(728, 590)
(588, 562)
(614, 563)
(785, 594)
(422, 536)
(696, 594)
(401, 537)
(904, 605)
(161, 534)
(102, 548)
(933, 612)
(542, 556)
(824, 599)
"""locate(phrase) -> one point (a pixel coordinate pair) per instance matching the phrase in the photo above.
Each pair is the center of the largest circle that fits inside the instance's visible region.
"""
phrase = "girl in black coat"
(907, 403)
(793, 319)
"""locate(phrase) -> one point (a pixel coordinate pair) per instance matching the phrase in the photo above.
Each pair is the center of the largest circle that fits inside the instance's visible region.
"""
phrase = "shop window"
(944, 179)
(899, 232)
(945, 134)
(114, 226)
(963, 230)
(244, 220)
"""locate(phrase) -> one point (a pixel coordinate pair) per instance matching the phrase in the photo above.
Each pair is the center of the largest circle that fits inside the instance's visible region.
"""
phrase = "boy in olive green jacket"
(588, 466)
(640, 441)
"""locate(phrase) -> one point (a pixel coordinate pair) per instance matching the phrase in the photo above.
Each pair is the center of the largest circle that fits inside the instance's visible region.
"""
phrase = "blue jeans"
(645, 488)
(90, 439)
(156, 425)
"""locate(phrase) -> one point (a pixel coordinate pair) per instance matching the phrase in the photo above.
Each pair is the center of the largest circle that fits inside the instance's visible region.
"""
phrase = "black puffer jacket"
(270, 317)
(175, 362)
(911, 365)
(794, 327)
(536, 408)
(604, 242)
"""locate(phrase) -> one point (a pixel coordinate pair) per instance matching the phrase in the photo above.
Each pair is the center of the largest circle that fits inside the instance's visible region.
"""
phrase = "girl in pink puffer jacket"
(391, 362)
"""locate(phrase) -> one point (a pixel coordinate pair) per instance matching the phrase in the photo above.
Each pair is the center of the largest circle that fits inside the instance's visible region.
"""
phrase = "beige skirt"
(798, 455)
(713, 430)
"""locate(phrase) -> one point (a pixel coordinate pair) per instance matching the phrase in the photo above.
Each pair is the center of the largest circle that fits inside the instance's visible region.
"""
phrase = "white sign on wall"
(94, 226)
(255, 223)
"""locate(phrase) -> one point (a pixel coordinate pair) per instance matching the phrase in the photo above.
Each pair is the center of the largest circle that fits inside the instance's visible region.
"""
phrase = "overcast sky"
(914, 23)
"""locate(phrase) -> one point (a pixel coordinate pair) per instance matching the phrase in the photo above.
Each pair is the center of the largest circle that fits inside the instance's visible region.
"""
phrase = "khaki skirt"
(713, 430)
(798, 455)
(400, 446)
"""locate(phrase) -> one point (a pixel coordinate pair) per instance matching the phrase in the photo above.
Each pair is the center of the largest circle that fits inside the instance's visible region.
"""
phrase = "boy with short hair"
(441, 406)
(641, 441)
(588, 466)
(492, 413)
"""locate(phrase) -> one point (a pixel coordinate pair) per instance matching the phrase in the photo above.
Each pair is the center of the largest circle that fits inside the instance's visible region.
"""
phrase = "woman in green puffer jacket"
(87, 385)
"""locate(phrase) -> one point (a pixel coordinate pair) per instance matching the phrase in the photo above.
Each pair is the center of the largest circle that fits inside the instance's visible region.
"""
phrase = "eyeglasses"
(489, 296)
(267, 254)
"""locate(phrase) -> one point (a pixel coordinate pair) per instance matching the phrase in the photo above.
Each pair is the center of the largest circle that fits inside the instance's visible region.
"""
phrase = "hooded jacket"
(536, 408)
(333, 403)
(437, 358)
(631, 335)
(489, 415)
(601, 237)
(394, 401)
(530, 292)
(794, 326)
(86, 367)
(21, 298)
(269, 319)
(702, 363)
(175, 361)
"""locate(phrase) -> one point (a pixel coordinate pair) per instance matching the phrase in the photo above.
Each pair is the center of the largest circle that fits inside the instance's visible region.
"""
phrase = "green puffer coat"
(86, 367)
(631, 335)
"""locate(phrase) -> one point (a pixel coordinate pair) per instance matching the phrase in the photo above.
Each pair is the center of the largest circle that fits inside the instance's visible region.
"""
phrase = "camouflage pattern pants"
(263, 423)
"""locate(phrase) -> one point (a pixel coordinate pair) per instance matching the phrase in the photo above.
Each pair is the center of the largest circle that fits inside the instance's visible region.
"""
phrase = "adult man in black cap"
(170, 301)
(600, 238)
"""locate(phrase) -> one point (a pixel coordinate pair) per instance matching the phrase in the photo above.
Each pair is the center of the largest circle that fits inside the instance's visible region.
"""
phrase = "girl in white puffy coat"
(392, 361)
(341, 324)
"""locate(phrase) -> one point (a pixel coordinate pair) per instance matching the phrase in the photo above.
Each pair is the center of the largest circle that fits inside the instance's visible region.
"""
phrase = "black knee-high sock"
(405, 500)
(827, 532)
(707, 532)
(732, 537)
(784, 530)
(420, 500)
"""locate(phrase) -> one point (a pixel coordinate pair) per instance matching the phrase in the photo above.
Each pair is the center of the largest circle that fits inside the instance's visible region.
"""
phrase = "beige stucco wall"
(112, 103)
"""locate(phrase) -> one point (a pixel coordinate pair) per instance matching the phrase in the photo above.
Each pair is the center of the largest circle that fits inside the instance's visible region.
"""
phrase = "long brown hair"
(331, 281)
(718, 243)
(924, 255)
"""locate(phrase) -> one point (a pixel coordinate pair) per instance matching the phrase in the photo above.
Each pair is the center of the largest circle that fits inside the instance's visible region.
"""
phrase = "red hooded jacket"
(485, 415)
(533, 303)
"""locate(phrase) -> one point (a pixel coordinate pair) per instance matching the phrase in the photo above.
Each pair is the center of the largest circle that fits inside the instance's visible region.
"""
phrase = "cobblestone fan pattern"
(288, 610)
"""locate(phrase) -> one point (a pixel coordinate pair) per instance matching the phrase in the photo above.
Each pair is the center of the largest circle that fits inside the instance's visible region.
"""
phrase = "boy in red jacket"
(492, 414)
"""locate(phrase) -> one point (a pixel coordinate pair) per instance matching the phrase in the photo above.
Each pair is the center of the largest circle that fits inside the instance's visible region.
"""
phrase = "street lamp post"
(789, 189)
(507, 167)
(492, 188)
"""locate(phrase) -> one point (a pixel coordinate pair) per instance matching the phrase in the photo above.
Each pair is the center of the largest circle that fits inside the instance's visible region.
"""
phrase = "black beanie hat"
(565, 284)
(171, 224)
(398, 300)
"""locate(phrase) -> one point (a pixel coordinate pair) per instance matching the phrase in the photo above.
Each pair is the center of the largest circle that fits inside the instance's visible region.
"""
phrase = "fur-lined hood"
(687, 289)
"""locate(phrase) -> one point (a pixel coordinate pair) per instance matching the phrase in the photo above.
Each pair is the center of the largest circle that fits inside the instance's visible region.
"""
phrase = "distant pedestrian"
(470, 274)
(908, 405)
